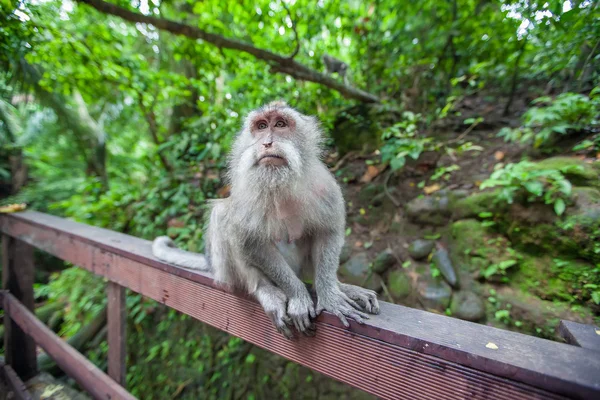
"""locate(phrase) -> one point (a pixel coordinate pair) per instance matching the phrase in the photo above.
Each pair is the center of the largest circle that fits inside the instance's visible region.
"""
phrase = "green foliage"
(524, 182)
(83, 291)
(567, 114)
(170, 106)
(403, 140)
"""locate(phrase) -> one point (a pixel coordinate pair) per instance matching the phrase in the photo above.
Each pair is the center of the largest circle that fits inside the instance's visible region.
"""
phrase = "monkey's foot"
(276, 312)
(301, 309)
(273, 301)
(334, 300)
(366, 299)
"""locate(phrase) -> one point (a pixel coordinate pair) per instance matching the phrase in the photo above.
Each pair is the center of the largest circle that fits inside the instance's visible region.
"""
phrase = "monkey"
(332, 65)
(285, 216)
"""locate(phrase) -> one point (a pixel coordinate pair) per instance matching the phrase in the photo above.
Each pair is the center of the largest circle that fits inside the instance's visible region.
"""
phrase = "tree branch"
(297, 49)
(279, 63)
(150, 117)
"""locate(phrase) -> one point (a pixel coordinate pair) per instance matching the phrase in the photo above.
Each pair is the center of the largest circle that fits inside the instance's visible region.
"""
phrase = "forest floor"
(388, 214)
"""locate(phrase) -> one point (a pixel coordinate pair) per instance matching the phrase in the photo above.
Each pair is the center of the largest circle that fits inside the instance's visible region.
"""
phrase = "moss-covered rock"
(383, 261)
(441, 259)
(360, 127)
(529, 314)
(430, 210)
(473, 248)
(399, 284)
(420, 248)
(475, 204)
(566, 280)
(468, 306)
(577, 171)
(357, 271)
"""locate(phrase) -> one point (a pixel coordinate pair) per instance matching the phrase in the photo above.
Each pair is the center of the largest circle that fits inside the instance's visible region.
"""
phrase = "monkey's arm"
(271, 262)
(333, 296)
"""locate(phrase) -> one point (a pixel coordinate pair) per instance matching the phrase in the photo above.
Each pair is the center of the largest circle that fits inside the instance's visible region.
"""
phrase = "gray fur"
(278, 222)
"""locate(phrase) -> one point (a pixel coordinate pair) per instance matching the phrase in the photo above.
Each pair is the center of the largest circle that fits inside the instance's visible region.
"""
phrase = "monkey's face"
(275, 145)
(273, 132)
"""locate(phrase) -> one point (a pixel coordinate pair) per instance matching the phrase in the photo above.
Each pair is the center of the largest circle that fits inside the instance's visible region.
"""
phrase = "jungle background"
(466, 140)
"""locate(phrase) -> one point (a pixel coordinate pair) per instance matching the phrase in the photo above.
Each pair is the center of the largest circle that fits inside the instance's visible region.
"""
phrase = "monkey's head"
(275, 145)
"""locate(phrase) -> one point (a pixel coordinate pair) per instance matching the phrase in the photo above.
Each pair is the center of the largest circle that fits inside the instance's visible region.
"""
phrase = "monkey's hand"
(276, 311)
(300, 310)
(366, 299)
(334, 300)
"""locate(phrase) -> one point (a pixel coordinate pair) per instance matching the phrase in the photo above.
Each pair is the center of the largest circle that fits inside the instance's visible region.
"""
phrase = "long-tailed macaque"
(333, 65)
(285, 215)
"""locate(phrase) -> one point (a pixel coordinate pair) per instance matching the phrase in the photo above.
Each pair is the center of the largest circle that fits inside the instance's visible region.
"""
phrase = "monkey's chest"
(287, 224)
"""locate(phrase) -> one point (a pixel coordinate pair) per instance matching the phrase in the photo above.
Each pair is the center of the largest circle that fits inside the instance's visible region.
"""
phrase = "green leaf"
(535, 187)
(397, 163)
(559, 206)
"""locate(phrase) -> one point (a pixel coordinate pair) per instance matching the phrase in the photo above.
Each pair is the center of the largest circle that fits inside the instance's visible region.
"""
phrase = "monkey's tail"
(164, 249)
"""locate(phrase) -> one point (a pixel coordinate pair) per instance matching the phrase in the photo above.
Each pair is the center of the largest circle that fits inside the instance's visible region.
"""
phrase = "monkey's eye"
(262, 125)
(280, 124)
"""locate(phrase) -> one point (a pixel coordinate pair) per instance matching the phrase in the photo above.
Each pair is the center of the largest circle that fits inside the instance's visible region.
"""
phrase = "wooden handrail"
(90, 377)
(401, 353)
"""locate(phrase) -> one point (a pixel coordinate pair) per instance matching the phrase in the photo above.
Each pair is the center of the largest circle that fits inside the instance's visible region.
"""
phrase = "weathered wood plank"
(15, 384)
(90, 377)
(116, 332)
(582, 335)
(17, 277)
(402, 353)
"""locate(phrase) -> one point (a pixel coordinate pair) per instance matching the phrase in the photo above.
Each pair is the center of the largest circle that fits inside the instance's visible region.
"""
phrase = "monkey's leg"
(325, 255)
(273, 301)
(266, 258)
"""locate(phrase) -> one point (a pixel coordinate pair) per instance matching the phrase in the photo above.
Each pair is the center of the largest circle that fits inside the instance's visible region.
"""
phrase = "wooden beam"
(17, 277)
(116, 332)
(15, 384)
(582, 335)
(403, 353)
(90, 377)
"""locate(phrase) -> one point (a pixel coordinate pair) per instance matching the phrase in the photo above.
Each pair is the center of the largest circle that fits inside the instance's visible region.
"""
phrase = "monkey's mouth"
(272, 159)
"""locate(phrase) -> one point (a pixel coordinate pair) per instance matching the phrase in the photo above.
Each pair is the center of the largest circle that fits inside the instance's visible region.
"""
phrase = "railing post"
(17, 278)
(116, 332)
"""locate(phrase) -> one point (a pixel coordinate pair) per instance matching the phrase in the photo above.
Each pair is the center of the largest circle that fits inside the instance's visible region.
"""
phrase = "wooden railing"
(402, 353)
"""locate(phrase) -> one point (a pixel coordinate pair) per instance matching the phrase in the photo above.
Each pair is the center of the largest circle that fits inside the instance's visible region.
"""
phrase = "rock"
(45, 386)
(383, 261)
(575, 235)
(420, 248)
(473, 248)
(431, 210)
(468, 306)
(434, 294)
(360, 127)
(346, 253)
(473, 205)
(577, 171)
(399, 285)
(442, 261)
(375, 282)
(587, 204)
(356, 270)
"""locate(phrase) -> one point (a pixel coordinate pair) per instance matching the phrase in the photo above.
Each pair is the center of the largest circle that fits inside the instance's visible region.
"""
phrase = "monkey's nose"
(267, 144)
